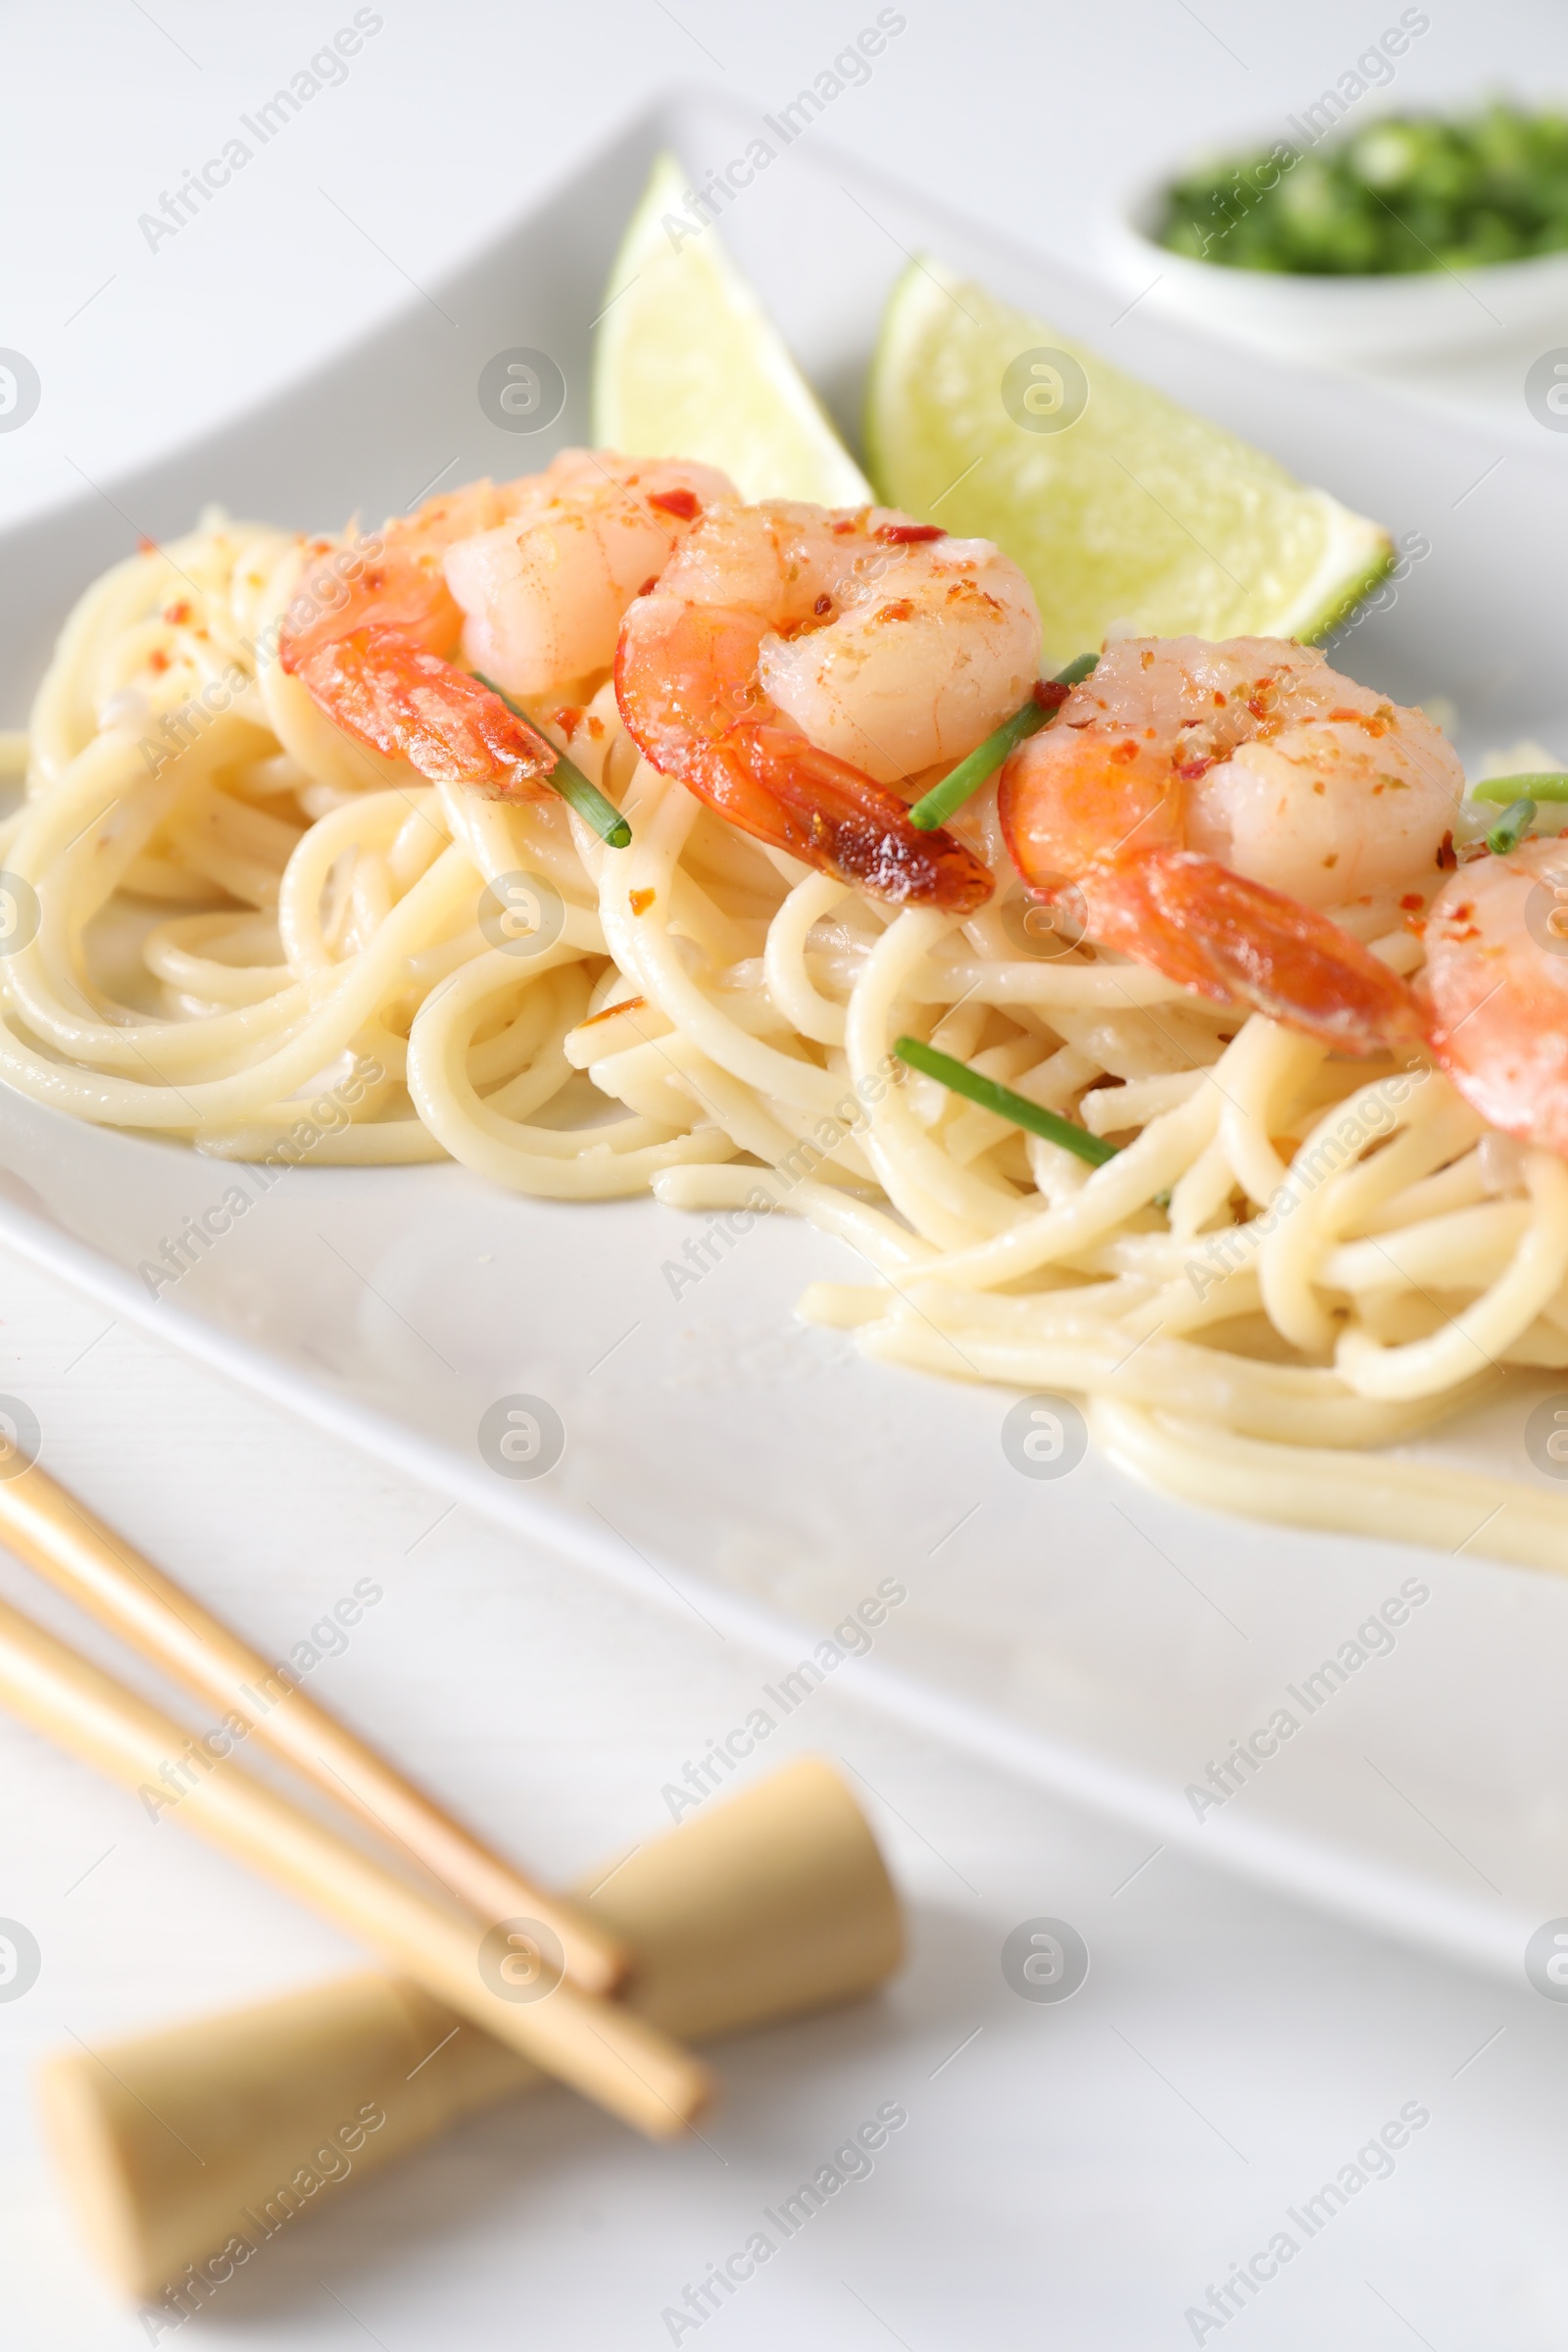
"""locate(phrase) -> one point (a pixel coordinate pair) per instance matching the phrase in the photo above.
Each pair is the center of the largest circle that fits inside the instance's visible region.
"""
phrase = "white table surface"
(1075, 2175)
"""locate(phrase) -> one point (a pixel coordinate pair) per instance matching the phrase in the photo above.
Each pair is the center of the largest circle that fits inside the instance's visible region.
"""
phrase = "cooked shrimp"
(1496, 979)
(1208, 801)
(528, 579)
(545, 592)
(796, 661)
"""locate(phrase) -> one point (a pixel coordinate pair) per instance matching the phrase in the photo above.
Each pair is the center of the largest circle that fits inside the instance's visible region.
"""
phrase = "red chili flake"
(596, 729)
(1190, 770)
(908, 534)
(1412, 899)
(1219, 699)
(649, 585)
(158, 659)
(901, 608)
(1123, 751)
(568, 719)
(823, 604)
(639, 901)
(682, 503)
(176, 612)
(626, 1004)
(1375, 722)
(842, 530)
(1447, 860)
(1051, 692)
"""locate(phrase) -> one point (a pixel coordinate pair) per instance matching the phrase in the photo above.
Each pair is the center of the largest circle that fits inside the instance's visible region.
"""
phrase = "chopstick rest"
(184, 2152)
(603, 2050)
(96, 1568)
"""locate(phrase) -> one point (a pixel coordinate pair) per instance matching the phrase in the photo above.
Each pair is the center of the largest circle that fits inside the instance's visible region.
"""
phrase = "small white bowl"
(1394, 316)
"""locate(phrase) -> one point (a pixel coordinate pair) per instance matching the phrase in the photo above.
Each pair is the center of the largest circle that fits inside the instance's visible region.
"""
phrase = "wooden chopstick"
(82, 1558)
(602, 2049)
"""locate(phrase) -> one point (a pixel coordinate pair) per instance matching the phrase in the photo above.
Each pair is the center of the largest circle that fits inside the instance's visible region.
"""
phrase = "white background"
(1076, 2176)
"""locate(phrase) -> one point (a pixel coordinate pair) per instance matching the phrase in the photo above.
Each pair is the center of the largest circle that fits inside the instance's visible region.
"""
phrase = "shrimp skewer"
(1209, 803)
(527, 579)
(796, 661)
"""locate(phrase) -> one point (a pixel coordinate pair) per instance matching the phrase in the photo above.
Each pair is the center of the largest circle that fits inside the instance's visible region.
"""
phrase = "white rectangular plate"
(1091, 1635)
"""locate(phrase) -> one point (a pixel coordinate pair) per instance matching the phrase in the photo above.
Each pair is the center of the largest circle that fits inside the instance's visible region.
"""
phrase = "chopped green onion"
(938, 805)
(571, 784)
(992, 1095)
(1548, 786)
(1511, 827)
(1399, 192)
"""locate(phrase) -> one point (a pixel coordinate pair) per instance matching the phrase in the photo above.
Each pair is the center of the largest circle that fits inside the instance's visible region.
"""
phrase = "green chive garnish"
(992, 1095)
(955, 788)
(1548, 786)
(571, 784)
(1511, 827)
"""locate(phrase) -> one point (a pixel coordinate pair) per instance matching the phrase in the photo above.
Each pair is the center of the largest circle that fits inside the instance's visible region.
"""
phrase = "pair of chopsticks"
(566, 2027)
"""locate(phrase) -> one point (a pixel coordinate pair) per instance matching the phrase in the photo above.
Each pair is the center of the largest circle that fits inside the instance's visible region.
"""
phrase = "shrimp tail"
(1240, 943)
(731, 747)
(408, 703)
(775, 784)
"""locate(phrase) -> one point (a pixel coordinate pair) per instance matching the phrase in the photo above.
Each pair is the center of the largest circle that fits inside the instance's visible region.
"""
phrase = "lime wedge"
(1121, 505)
(689, 365)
